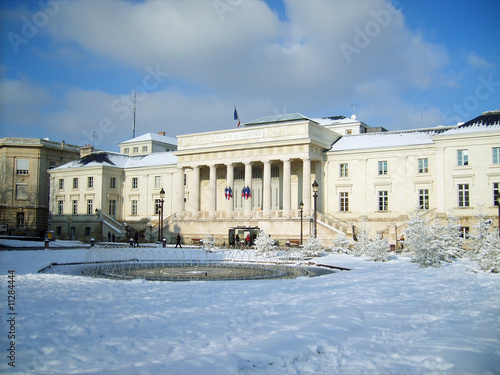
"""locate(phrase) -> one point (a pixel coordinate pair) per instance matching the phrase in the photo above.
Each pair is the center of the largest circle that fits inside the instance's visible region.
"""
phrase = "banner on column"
(245, 193)
(228, 193)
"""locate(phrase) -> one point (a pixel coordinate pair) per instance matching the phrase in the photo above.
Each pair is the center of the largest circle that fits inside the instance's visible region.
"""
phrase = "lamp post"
(498, 205)
(160, 232)
(301, 205)
(315, 196)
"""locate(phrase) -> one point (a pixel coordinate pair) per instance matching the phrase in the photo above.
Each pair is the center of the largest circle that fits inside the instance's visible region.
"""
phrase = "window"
(343, 170)
(382, 168)
(257, 173)
(423, 199)
(60, 207)
(144, 148)
(133, 210)
(135, 182)
(135, 150)
(22, 166)
(112, 207)
(90, 207)
(464, 232)
(90, 182)
(157, 206)
(275, 171)
(462, 158)
(239, 174)
(496, 193)
(423, 165)
(463, 195)
(75, 183)
(496, 155)
(20, 220)
(383, 200)
(157, 181)
(61, 183)
(112, 183)
(52, 165)
(87, 231)
(58, 231)
(344, 202)
(75, 207)
(126, 150)
(21, 191)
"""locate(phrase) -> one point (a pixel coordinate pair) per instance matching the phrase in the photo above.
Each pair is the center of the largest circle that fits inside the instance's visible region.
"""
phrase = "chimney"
(86, 150)
(161, 133)
(62, 145)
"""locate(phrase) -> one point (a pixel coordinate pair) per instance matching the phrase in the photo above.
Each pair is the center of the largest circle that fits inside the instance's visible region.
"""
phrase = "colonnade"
(286, 193)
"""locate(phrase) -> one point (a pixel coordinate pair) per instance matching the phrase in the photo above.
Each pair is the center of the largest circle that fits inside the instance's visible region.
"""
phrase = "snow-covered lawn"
(379, 318)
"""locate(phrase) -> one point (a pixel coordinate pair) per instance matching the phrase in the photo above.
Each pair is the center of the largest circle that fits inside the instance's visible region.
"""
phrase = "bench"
(293, 243)
(196, 241)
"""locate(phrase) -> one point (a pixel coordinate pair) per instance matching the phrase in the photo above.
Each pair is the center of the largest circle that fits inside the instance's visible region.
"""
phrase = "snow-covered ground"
(379, 318)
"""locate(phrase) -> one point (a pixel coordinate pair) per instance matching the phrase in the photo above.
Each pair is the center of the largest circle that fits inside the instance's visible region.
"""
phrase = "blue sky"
(69, 68)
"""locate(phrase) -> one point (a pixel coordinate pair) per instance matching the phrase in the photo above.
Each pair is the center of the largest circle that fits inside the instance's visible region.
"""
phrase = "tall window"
(22, 166)
(382, 167)
(133, 207)
(257, 173)
(112, 207)
(20, 220)
(60, 207)
(144, 148)
(75, 207)
(157, 181)
(112, 183)
(157, 206)
(135, 150)
(423, 165)
(75, 183)
(423, 199)
(344, 201)
(275, 171)
(383, 200)
(90, 182)
(126, 150)
(496, 193)
(463, 195)
(496, 155)
(90, 207)
(239, 174)
(61, 183)
(343, 170)
(462, 157)
(135, 182)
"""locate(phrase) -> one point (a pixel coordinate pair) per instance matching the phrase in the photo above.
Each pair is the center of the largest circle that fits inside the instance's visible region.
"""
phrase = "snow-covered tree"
(485, 244)
(452, 241)
(264, 242)
(209, 242)
(378, 249)
(361, 242)
(312, 247)
(341, 244)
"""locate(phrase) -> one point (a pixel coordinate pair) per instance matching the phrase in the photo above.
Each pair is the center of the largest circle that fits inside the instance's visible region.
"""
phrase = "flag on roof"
(236, 117)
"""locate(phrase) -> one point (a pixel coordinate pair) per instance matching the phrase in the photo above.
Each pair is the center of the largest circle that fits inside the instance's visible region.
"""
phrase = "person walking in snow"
(178, 241)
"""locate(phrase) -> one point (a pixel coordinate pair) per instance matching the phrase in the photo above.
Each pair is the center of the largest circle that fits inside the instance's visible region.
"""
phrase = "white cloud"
(478, 62)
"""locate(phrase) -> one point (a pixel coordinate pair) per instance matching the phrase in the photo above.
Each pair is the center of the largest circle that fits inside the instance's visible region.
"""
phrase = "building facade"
(262, 176)
(24, 186)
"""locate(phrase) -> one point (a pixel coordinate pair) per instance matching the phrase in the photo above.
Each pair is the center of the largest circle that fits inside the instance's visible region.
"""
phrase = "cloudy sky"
(69, 68)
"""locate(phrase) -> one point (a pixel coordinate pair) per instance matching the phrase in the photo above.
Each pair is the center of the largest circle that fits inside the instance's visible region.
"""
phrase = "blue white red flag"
(236, 117)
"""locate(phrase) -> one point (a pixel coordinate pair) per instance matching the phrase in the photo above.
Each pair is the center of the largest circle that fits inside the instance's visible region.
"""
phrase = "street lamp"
(498, 205)
(315, 196)
(160, 231)
(301, 205)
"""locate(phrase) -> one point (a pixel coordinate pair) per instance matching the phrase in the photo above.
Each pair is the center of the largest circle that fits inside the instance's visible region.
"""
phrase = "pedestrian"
(109, 236)
(136, 239)
(237, 240)
(113, 237)
(248, 239)
(178, 241)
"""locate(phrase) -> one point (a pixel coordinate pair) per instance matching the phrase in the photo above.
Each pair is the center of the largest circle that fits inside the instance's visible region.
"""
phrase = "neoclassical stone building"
(258, 176)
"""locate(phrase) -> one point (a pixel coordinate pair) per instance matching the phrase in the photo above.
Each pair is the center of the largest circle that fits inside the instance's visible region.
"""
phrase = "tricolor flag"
(228, 193)
(245, 193)
(236, 117)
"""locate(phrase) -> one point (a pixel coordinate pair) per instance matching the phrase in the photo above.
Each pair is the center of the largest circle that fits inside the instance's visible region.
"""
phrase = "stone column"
(230, 184)
(306, 186)
(195, 191)
(248, 182)
(212, 194)
(179, 200)
(266, 187)
(287, 182)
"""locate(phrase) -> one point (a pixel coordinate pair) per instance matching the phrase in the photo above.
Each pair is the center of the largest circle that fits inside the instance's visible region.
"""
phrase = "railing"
(335, 224)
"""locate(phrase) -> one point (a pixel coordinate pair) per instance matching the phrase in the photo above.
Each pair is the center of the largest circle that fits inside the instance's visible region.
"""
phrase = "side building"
(261, 176)
(24, 186)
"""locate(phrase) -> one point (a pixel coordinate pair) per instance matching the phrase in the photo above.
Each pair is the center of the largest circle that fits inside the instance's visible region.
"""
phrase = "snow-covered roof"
(381, 140)
(152, 137)
(111, 159)
(278, 118)
(334, 120)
